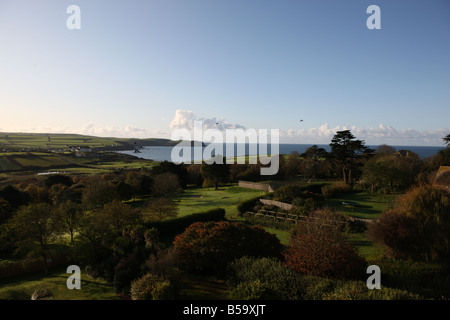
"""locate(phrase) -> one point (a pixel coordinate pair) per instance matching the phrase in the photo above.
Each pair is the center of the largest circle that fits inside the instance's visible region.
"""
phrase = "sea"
(164, 153)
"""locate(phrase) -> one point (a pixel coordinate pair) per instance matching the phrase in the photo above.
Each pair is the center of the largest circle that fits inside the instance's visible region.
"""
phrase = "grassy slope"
(17, 141)
(370, 204)
(21, 287)
(195, 200)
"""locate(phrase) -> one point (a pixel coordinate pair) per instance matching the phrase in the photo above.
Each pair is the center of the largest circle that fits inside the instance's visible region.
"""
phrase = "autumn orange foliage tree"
(210, 246)
(317, 247)
(417, 227)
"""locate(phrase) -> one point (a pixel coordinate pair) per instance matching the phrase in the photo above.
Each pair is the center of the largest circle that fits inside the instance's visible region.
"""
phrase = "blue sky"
(144, 68)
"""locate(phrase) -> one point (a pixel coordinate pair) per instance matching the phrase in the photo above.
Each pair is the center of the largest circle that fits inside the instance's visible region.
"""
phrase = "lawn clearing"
(21, 287)
(370, 205)
(194, 200)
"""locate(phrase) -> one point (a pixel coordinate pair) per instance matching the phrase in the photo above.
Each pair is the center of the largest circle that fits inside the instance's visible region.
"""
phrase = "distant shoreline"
(164, 154)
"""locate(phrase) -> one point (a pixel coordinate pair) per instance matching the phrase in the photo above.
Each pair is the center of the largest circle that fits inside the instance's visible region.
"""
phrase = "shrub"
(168, 229)
(428, 279)
(331, 190)
(423, 217)
(263, 278)
(210, 246)
(247, 205)
(357, 290)
(127, 270)
(290, 192)
(396, 234)
(317, 247)
(152, 287)
(252, 290)
(163, 262)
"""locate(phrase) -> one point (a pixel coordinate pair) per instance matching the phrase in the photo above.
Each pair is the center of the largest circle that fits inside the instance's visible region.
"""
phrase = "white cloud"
(184, 119)
(383, 134)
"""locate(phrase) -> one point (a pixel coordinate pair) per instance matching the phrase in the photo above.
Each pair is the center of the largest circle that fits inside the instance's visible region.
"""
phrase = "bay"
(163, 153)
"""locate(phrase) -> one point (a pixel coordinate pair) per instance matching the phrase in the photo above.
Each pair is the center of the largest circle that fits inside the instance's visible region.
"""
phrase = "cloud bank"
(184, 119)
(382, 134)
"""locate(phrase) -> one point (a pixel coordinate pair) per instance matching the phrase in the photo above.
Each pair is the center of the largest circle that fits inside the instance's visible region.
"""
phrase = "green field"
(43, 140)
(41, 162)
(20, 141)
(370, 205)
(22, 287)
(195, 200)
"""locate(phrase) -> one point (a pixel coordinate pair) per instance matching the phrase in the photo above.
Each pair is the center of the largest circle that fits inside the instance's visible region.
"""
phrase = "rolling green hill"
(21, 141)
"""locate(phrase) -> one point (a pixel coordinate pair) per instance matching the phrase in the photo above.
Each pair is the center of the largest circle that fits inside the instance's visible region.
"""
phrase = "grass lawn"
(194, 200)
(371, 205)
(21, 287)
(364, 246)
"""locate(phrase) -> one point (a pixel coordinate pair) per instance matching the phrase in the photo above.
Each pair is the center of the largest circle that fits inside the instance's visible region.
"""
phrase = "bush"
(418, 227)
(152, 287)
(396, 234)
(357, 290)
(247, 205)
(263, 278)
(127, 270)
(252, 290)
(210, 246)
(428, 279)
(331, 190)
(317, 247)
(290, 192)
(168, 229)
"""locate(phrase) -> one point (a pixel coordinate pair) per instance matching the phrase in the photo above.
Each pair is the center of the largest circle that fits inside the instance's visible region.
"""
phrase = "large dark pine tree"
(347, 152)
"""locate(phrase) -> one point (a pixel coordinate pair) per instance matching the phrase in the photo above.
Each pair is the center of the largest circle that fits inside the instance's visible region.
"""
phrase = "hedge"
(168, 229)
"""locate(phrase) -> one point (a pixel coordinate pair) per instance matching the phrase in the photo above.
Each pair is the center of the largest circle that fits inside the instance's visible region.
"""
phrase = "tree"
(216, 172)
(384, 149)
(317, 247)
(35, 228)
(447, 140)
(166, 184)
(347, 151)
(5, 211)
(392, 171)
(178, 169)
(293, 164)
(106, 235)
(315, 154)
(68, 216)
(15, 197)
(210, 246)
(418, 226)
(58, 179)
(194, 175)
(161, 208)
(120, 215)
(97, 192)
